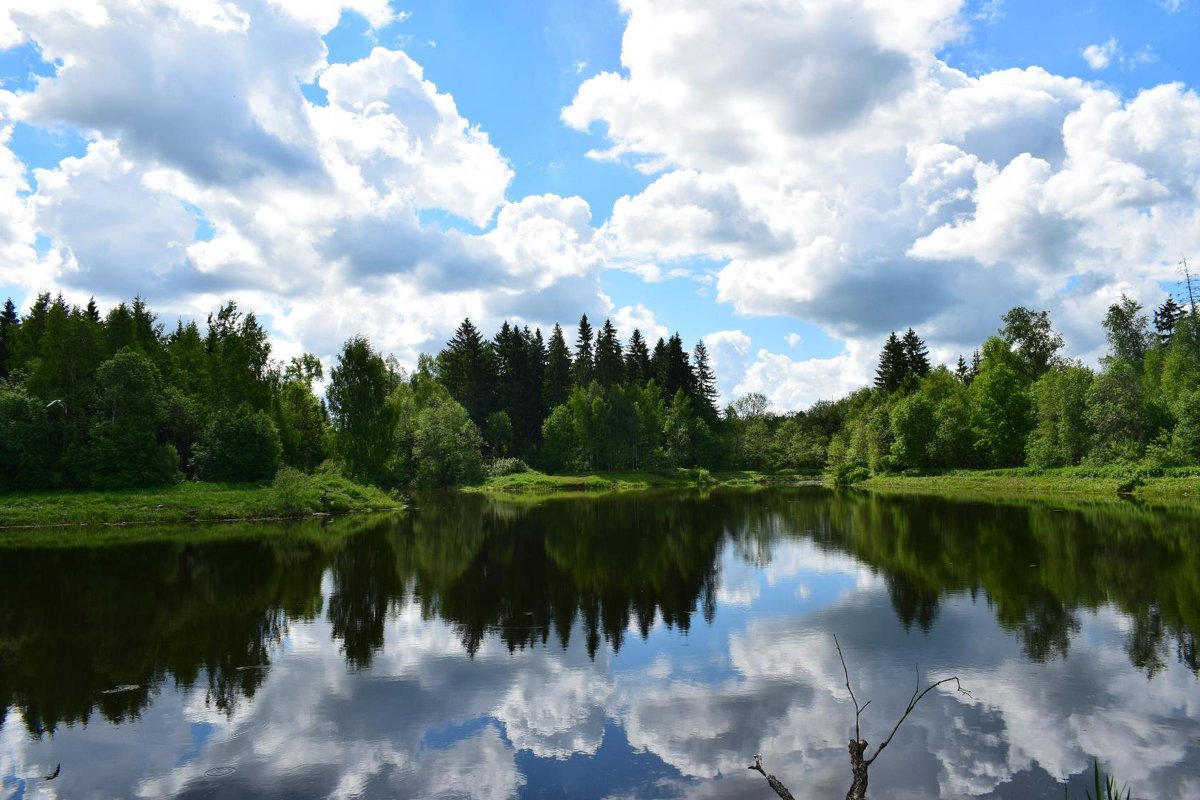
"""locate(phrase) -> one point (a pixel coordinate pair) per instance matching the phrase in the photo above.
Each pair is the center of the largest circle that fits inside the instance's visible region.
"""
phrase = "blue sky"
(789, 180)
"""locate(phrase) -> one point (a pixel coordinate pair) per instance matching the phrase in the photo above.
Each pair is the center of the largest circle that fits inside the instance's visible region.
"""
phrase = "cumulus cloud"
(897, 187)
(313, 212)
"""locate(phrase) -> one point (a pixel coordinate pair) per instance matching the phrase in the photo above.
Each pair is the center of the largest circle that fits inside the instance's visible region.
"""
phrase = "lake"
(631, 646)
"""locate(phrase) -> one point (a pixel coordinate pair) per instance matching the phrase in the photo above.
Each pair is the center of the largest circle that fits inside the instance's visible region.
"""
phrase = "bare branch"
(857, 708)
(912, 703)
(774, 782)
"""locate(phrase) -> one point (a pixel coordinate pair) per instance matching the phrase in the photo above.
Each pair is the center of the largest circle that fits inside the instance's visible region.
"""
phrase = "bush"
(506, 466)
(289, 489)
(850, 474)
(238, 445)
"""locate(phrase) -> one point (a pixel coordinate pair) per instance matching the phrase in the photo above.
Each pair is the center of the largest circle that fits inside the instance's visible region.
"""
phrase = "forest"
(115, 400)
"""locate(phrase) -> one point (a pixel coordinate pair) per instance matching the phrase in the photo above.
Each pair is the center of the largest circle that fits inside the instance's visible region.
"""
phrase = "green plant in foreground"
(1105, 786)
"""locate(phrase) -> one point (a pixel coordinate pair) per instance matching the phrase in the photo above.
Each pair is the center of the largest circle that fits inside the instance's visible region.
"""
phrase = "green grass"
(1109, 483)
(191, 501)
(539, 483)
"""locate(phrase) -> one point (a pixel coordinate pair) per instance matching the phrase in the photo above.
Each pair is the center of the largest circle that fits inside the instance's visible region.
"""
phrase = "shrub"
(238, 445)
(506, 466)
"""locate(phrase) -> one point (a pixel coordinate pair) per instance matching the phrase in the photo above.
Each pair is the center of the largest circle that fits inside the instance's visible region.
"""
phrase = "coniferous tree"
(467, 369)
(637, 359)
(889, 375)
(609, 367)
(583, 365)
(658, 364)
(93, 313)
(706, 385)
(679, 376)
(1165, 317)
(118, 329)
(916, 355)
(29, 337)
(962, 371)
(557, 383)
(10, 323)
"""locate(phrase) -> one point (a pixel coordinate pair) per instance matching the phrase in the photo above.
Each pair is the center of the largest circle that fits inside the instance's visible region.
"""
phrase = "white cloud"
(727, 351)
(792, 385)
(890, 192)
(1099, 56)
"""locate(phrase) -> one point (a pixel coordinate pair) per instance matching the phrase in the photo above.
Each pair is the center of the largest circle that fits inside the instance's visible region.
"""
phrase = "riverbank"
(1171, 488)
(192, 501)
(538, 483)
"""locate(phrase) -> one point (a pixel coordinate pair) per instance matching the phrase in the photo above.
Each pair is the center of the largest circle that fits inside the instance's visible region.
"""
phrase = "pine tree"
(557, 383)
(916, 355)
(10, 323)
(890, 373)
(609, 368)
(1165, 318)
(583, 365)
(637, 359)
(93, 313)
(706, 384)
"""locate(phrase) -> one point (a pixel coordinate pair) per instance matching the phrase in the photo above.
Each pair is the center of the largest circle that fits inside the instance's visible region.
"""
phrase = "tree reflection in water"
(78, 621)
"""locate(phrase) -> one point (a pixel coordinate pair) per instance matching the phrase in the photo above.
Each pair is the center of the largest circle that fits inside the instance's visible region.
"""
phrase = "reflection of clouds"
(557, 714)
(789, 703)
(426, 721)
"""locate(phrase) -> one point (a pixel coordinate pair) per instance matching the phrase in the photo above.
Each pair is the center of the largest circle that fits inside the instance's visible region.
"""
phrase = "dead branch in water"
(860, 763)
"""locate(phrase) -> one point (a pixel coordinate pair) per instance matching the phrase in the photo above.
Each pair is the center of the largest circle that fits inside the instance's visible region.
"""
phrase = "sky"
(789, 180)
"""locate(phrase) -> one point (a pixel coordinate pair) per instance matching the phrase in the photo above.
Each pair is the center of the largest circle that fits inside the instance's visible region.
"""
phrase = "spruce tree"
(890, 373)
(658, 364)
(467, 369)
(609, 369)
(706, 385)
(10, 322)
(916, 355)
(679, 375)
(557, 383)
(583, 365)
(637, 359)
(1165, 318)
(962, 371)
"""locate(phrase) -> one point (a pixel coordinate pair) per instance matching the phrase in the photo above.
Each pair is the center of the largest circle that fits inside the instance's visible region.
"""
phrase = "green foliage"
(24, 430)
(498, 433)
(125, 451)
(1113, 410)
(289, 490)
(1061, 433)
(238, 445)
(914, 430)
(559, 442)
(446, 446)
(1032, 340)
(506, 466)
(362, 419)
(1000, 415)
(1105, 786)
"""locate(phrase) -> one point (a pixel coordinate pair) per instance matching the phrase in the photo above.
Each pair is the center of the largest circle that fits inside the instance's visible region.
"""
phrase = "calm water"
(624, 647)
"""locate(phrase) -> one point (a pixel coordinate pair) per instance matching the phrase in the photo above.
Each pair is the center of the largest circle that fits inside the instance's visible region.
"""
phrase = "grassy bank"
(1171, 487)
(535, 483)
(192, 501)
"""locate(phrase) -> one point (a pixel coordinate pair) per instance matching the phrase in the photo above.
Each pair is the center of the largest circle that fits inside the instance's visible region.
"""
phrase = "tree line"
(1019, 402)
(113, 400)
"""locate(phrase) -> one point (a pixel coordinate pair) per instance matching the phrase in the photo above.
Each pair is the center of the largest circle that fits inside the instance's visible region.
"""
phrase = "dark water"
(639, 646)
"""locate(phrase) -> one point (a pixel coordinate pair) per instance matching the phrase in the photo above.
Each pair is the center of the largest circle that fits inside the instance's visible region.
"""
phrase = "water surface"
(634, 646)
